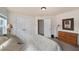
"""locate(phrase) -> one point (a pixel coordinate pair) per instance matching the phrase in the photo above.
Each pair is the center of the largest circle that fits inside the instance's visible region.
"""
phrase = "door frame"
(38, 26)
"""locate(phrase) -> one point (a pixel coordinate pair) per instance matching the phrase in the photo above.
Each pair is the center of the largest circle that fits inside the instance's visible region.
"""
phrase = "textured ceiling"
(36, 11)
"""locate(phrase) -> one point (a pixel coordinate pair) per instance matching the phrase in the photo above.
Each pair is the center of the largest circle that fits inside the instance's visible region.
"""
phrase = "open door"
(41, 27)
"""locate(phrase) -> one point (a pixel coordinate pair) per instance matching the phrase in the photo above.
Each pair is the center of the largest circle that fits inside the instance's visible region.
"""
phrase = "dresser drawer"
(67, 37)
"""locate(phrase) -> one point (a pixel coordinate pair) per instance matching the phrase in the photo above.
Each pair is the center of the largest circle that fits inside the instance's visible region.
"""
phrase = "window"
(3, 25)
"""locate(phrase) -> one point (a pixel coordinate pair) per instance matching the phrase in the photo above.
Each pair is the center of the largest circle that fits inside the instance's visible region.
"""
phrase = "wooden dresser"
(67, 37)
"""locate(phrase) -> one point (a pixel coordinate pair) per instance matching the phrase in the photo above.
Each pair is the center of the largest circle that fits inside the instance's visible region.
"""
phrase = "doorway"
(41, 27)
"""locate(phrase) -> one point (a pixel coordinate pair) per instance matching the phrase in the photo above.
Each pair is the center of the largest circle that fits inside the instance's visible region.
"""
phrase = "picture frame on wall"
(68, 24)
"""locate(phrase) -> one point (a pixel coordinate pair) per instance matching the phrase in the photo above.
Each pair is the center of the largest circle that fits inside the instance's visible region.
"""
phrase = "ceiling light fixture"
(43, 8)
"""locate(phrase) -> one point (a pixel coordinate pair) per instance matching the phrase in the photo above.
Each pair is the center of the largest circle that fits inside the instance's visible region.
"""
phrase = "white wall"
(53, 25)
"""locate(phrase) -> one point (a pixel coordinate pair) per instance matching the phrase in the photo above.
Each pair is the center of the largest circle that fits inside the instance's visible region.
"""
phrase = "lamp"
(9, 28)
(43, 8)
(57, 30)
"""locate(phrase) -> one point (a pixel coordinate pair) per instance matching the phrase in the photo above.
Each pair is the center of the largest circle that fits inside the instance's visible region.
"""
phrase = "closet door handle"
(23, 29)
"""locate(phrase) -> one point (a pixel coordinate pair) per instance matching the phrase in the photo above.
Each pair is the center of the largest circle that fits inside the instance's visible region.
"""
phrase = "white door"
(47, 27)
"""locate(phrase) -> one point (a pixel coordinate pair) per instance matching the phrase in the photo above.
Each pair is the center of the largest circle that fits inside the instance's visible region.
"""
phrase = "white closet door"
(24, 24)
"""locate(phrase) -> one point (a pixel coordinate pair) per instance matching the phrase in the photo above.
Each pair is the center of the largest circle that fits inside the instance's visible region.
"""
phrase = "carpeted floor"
(65, 46)
(11, 44)
(14, 46)
(3, 39)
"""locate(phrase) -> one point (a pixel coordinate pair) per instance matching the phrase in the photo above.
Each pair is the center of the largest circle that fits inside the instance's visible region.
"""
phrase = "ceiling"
(36, 11)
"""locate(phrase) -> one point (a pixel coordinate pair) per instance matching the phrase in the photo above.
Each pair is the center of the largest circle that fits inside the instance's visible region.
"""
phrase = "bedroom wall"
(53, 25)
(55, 20)
(58, 21)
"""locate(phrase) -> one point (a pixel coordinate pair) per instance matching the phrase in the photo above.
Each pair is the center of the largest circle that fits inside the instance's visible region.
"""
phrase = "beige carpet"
(10, 44)
(3, 39)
